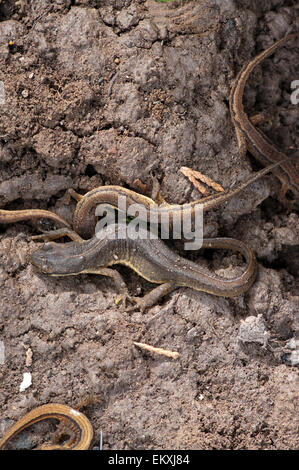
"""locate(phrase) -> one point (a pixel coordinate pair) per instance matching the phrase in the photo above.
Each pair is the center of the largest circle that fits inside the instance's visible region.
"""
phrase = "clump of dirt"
(116, 92)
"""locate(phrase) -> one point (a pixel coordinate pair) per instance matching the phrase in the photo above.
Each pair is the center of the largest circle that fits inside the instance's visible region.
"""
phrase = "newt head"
(58, 259)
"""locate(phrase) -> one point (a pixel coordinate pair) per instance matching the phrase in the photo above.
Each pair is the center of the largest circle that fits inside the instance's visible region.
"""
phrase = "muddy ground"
(112, 92)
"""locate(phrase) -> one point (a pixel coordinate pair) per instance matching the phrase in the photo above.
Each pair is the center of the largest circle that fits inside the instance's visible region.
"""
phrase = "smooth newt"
(84, 218)
(251, 138)
(149, 257)
(73, 419)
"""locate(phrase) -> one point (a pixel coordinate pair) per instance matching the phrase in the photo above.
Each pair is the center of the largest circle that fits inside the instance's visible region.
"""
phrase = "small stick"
(29, 354)
(194, 176)
(165, 352)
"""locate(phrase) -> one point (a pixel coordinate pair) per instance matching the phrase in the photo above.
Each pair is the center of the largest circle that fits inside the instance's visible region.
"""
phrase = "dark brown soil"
(110, 92)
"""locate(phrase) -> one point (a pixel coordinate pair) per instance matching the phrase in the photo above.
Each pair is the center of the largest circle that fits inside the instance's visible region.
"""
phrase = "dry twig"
(194, 176)
(165, 352)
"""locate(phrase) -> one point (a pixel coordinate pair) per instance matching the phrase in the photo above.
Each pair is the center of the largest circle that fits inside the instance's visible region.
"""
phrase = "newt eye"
(47, 247)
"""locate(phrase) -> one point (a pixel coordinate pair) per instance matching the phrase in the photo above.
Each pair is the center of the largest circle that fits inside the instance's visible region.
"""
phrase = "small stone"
(27, 382)
(253, 330)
